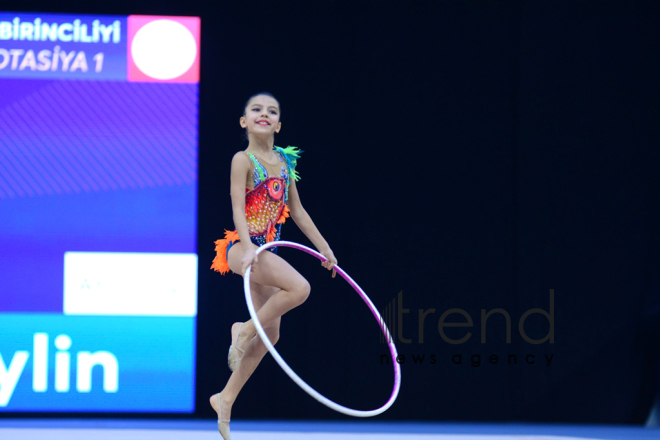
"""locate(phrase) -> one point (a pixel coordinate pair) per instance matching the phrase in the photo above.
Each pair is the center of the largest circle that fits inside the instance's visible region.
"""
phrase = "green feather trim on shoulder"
(291, 155)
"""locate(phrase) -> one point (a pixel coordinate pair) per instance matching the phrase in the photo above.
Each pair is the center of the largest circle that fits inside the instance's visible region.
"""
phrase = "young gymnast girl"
(263, 195)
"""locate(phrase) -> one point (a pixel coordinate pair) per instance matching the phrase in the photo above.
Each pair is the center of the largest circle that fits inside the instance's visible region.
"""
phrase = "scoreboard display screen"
(98, 199)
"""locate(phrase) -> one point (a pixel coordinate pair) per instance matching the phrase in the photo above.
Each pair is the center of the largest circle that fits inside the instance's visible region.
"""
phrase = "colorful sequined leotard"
(266, 207)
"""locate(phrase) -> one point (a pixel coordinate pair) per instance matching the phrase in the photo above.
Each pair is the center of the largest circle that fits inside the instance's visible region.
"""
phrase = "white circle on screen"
(164, 49)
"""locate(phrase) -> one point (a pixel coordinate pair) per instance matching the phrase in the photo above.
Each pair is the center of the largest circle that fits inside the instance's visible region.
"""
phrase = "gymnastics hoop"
(302, 384)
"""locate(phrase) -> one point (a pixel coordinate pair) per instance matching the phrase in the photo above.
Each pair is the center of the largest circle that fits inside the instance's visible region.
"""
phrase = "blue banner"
(55, 363)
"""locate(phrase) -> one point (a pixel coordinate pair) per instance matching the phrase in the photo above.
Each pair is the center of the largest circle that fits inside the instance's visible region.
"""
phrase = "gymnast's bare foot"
(222, 406)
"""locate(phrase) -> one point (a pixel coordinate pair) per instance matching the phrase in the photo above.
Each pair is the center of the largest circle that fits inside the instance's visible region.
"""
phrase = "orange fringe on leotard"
(284, 215)
(220, 263)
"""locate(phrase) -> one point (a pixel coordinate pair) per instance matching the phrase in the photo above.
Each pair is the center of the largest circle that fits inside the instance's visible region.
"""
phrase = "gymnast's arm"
(240, 168)
(307, 226)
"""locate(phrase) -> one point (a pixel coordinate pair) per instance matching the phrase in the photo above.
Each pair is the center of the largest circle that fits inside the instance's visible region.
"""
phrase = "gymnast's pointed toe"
(223, 425)
(224, 430)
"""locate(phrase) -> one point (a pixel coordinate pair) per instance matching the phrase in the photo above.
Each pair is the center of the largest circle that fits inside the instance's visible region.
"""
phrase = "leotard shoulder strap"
(260, 172)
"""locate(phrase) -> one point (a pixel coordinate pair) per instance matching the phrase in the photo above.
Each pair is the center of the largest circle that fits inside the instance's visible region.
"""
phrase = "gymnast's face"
(262, 116)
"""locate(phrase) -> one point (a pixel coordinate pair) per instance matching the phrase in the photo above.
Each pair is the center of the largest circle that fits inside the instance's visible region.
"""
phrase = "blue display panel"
(98, 189)
(97, 363)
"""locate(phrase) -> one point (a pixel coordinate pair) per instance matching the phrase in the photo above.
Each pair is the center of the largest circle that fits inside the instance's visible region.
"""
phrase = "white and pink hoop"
(311, 391)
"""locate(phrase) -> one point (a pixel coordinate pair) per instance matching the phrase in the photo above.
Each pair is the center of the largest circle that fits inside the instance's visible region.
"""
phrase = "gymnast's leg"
(270, 270)
(288, 290)
(254, 352)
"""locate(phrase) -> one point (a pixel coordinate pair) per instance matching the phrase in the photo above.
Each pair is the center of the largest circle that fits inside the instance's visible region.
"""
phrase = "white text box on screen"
(113, 283)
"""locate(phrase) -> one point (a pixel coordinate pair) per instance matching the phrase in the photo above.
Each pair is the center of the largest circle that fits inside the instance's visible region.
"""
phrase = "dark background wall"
(467, 154)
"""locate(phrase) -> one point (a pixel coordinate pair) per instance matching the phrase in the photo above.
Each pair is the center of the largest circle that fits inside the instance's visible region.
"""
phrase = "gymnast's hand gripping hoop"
(311, 391)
